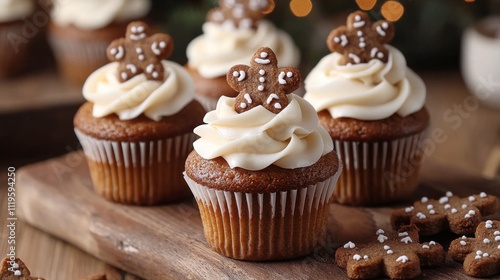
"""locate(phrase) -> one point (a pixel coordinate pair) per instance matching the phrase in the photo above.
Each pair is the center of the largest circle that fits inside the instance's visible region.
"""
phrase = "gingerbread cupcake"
(231, 34)
(263, 170)
(136, 128)
(15, 47)
(372, 105)
(81, 30)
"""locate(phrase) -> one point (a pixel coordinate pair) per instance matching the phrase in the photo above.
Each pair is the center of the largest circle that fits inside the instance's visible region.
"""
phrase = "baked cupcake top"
(95, 14)
(15, 9)
(364, 78)
(275, 127)
(232, 33)
(139, 81)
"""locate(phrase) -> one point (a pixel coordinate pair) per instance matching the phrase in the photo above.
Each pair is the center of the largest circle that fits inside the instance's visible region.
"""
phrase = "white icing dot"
(113, 51)
(263, 54)
(496, 232)
(140, 28)
(483, 195)
(356, 257)
(430, 206)
(289, 74)
(402, 259)
(260, 88)
(243, 105)
(447, 206)
(464, 237)
(464, 206)
(277, 106)
(488, 225)
(133, 29)
(479, 252)
(362, 45)
(124, 75)
(365, 257)
(421, 215)
(401, 234)
(380, 55)
(17, 273)
(15, 265)
(155, 74)
(477, 257)
(426, 247)
(471, 198)
(486, 241)
(385, 25)
(262, 79)
(235, 74)
(443, 200)
(406, 240)
(454, 210)
(390, 252)
(359, 33)
(262, 71)
(497, 238)
(336, 39)
(357, 17)
(463, 243)
(486, 255)
(381, 238)
(349, 245)
(498, 247)
(163, 44)
(424, 199)
(432, 243)
(449, 194)
(432, 212)
(141, 57)
(409, 209)
(387, 247)
(138, 50)
(380, 231)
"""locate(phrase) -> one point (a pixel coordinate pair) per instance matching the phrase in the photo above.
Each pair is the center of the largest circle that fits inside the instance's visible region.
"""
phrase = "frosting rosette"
(365, 91)
(219, 48)
(95, 14)
(15, 9)
(138, 95)
(258, 138)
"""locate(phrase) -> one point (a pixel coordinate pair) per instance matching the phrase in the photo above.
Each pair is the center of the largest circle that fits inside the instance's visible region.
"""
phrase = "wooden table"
(466, 138)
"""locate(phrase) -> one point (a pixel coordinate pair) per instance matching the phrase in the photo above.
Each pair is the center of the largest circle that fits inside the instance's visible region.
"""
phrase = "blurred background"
(36, 107)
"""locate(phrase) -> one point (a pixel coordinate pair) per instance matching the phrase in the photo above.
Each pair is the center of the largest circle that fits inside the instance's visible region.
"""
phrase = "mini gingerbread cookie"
(481, 254)
(15, 270)
(398, 255)
(263, 83)
(459, 215)
(242, 14)
(361, 41)
(139, 52)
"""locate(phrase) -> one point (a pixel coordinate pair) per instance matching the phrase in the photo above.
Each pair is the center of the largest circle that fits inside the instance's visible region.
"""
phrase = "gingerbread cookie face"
(243, 14)
(396, 255)
(361, 41)
(139, 52)
(15, 270)
(459, 215)
(480, 254)
(263, 83)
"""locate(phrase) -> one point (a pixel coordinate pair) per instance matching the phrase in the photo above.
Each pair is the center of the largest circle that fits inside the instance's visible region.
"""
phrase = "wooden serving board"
(167, 242)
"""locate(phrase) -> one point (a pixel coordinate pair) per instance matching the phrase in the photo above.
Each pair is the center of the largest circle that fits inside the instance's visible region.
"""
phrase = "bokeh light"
(272, 5)
(301, 8)
(366, 4)
(392, 10)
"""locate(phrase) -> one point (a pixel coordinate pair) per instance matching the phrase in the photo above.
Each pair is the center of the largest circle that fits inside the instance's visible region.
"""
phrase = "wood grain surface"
(167, 242)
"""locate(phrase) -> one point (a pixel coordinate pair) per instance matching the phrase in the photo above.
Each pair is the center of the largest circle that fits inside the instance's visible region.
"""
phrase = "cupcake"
(372, 105)
(14, 45)
(263, 170)
(81, 30)
(231, 33)
(137, 127)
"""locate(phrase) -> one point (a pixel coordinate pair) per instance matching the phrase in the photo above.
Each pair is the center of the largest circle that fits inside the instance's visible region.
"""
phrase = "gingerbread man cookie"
(361, 41)
(481, 254)
(459, 215)
(140, 53)
(398, 255)
(242, 14)
(15, 270)
(263, 83)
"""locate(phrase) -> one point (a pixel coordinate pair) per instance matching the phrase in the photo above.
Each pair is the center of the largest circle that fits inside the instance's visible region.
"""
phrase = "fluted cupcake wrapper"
(264, 226)
(142, 173)
(77, 60)
(378, 172)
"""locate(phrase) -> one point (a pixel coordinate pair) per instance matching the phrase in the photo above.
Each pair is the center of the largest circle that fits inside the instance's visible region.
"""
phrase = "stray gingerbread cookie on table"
(263, 83)
(397, 255)
(459, 215)
(361, 41)
(242, 14)
(139, 52)
(480, 254)
(15, 270)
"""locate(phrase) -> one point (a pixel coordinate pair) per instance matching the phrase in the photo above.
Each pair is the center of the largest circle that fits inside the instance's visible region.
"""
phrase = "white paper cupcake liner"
(144, 172)
(378, 172)
(264, 226)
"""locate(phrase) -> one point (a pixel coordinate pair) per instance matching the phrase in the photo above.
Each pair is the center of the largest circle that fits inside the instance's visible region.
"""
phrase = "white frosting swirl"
(138, 95)
(258, 138)
(15, 9)
(95, 14)
(219, 48)
(366, 91)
